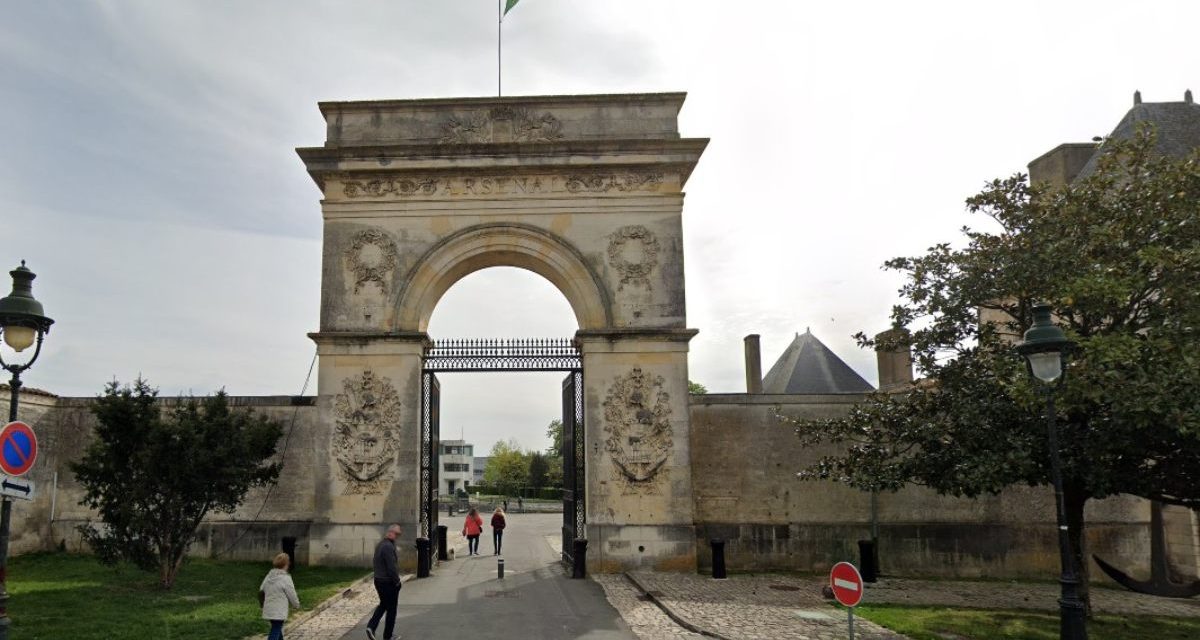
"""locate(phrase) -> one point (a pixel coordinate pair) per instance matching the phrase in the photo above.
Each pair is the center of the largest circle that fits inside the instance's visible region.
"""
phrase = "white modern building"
(457, 470)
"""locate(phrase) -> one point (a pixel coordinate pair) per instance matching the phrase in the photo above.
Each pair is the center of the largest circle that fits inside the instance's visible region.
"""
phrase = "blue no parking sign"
(18, 448)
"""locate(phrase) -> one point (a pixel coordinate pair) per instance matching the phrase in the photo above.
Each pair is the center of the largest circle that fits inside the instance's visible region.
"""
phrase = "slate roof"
(1177, 123)
(808, 366)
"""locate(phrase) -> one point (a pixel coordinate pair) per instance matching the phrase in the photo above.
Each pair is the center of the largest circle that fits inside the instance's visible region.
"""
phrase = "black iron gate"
(574, 513)
(534, 354)
(430, 444)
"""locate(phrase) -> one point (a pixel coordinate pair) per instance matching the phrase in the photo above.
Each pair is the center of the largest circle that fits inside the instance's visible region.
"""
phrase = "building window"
(455, 467)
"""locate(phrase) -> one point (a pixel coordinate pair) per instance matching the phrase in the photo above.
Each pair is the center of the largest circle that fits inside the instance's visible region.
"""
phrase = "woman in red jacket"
(471, 529)
(498, 522)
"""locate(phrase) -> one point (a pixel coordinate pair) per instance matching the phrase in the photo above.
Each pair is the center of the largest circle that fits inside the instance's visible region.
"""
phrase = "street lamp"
(22, 323)
(1045, 349)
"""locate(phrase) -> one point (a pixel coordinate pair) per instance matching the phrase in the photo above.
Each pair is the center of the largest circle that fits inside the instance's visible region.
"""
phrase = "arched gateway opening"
(585, 191)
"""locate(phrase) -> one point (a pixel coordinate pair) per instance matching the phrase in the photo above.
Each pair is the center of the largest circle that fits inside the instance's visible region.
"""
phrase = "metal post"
(1072, 614)
(442, 552)
(850, 613)
(423, 559)
(500, 568)
(6, 520)
(579, 564)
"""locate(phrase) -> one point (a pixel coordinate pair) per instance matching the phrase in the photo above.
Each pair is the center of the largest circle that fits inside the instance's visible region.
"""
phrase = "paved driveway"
(465, 599)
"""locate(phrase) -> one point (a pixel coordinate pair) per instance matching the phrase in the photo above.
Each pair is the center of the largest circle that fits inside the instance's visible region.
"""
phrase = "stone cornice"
(366, 337)
(630, 333)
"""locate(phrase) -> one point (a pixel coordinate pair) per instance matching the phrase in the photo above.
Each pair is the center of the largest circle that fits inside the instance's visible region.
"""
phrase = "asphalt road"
(464, 599)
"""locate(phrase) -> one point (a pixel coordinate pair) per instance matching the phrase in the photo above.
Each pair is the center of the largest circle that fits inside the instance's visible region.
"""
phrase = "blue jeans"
(276, 630)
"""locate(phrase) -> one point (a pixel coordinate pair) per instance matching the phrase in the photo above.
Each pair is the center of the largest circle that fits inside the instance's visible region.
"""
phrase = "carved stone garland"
(633, 272)
(366, 432)
(637, 420)
(501, 124)
(378, 271)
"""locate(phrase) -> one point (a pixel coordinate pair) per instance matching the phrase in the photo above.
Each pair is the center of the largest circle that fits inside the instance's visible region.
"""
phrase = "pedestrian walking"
(387, 584)
(506, 503)
(498, 524)
(472, 527)
(275, 594)
(520, 505)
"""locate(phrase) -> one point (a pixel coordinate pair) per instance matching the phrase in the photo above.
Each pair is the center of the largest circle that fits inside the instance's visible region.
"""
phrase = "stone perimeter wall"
(744, 463)
(743, 467)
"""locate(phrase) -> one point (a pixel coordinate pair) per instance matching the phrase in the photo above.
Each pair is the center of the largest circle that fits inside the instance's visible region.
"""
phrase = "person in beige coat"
(275, 594)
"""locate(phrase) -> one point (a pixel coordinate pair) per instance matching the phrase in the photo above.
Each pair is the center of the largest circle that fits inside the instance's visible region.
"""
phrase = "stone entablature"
(475, 121)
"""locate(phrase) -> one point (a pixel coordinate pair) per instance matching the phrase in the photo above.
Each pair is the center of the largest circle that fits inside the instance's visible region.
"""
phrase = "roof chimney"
(895, 360)
(1187, 96)
(754, 379)
(1137, 98)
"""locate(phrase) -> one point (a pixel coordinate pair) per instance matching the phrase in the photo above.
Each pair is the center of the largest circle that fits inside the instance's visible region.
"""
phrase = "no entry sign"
(846, 583)
(18, 448)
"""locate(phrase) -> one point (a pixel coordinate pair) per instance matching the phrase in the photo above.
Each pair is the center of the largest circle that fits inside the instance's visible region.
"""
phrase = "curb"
(672, 614)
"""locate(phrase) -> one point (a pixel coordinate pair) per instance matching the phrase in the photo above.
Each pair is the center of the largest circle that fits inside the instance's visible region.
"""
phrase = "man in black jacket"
(387, 583)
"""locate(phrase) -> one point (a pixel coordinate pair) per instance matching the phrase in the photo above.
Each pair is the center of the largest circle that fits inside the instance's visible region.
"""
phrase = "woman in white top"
(275, 594)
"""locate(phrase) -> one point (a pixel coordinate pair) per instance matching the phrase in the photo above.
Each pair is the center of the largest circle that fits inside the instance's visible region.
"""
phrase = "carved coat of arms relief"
(637, 422)
(366, 435)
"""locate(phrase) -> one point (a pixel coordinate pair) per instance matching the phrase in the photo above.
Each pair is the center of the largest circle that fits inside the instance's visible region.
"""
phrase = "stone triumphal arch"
(585, 191)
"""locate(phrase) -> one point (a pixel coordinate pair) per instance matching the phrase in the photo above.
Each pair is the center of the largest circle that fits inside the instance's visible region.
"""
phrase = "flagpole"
(499, 32)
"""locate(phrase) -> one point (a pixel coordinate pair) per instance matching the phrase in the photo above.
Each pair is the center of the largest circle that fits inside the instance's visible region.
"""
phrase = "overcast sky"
(148, 171)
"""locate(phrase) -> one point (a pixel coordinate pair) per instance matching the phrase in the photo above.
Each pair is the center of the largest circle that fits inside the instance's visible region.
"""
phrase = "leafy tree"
(507, 467)
(554, 471)
(153, 474)
(539, 468)
(1117, 255)
(696, 389)
(555, 433)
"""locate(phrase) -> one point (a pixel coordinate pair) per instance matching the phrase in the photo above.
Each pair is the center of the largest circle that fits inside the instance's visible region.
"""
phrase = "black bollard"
(449, 508)
(868, 560)
(423, 557)
(579, 568)
(718, 558)
(443, 553)
(500, 568)
(289, 547)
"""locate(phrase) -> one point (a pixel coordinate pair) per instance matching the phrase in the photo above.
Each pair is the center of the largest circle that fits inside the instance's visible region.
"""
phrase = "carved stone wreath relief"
(633, 252)
(366, 433)
(637, 420)
(501, 124)
(372, 258)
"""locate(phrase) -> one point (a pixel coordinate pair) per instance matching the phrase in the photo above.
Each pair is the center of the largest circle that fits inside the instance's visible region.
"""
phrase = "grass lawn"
(943, 623)
(59, 596)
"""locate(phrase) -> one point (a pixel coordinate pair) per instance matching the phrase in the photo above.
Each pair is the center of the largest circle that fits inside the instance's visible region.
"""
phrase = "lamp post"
(1045, 347)
(22, 323)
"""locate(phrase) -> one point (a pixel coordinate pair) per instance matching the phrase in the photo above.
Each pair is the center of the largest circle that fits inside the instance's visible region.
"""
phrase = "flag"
(509, 5)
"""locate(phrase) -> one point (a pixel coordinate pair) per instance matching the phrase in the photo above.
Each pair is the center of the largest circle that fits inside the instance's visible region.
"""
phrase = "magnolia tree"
(1117, 255)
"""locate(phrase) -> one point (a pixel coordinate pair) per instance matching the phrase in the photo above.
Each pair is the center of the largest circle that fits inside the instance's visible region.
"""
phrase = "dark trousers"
(389, 594)
(473, 544)
(276, 630)
(497, 538)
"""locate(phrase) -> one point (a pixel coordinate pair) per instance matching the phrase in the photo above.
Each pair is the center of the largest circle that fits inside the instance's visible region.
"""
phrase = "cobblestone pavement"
(1016, 595)
(753, 607)
(646, 619)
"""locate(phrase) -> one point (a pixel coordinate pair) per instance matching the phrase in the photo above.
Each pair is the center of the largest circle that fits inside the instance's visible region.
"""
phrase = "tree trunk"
(1075, 499)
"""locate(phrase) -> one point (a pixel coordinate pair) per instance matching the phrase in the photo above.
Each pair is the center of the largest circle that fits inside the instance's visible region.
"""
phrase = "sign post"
(847, 586)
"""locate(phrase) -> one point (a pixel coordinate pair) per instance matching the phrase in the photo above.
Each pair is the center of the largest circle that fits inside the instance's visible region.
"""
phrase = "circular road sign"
(846, 583)
(18, 448)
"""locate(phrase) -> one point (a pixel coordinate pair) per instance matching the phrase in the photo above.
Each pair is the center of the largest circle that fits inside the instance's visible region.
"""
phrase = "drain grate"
(784, 587)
